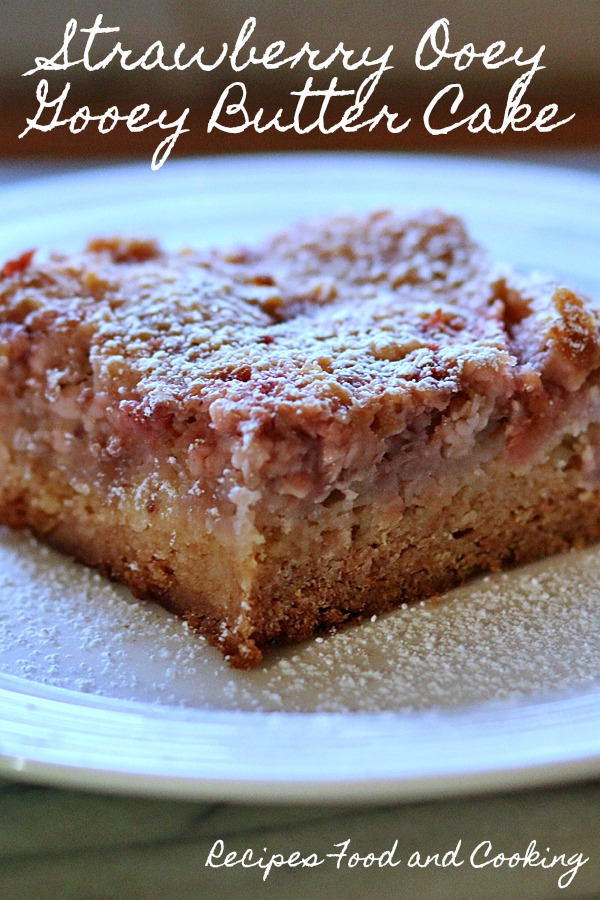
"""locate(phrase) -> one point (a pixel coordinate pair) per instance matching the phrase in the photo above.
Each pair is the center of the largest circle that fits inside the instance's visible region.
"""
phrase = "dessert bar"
(272, 441)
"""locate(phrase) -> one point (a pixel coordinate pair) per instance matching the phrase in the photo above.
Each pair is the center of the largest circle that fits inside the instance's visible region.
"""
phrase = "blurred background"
(570, 31)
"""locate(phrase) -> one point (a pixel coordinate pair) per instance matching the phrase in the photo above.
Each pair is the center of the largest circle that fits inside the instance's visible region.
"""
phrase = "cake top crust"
(380, 317)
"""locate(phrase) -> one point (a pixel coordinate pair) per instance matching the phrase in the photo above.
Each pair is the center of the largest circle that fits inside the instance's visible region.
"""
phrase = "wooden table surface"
(67, 844)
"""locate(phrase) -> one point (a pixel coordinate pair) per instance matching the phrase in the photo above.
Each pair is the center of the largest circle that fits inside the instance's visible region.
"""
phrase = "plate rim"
(29, 756)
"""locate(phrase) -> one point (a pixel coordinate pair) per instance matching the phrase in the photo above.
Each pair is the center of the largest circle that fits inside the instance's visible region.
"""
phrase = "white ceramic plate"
(499, 685)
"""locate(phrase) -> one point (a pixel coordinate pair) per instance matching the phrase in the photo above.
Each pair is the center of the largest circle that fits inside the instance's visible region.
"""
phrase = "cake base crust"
(494, 518)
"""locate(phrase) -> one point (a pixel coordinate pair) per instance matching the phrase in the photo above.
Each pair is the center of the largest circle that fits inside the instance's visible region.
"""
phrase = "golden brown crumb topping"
(378, 324)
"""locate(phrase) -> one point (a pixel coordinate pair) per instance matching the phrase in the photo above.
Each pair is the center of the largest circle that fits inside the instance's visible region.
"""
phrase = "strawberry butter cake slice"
(275, 440)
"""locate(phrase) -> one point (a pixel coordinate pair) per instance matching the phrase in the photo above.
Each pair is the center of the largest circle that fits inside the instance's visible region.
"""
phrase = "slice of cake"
(274, 441)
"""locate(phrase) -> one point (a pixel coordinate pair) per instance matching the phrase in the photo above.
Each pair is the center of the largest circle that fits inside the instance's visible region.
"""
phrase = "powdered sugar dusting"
(504, 637)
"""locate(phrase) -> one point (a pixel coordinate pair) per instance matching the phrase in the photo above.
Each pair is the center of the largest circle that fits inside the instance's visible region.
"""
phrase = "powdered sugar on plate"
(514, 635)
